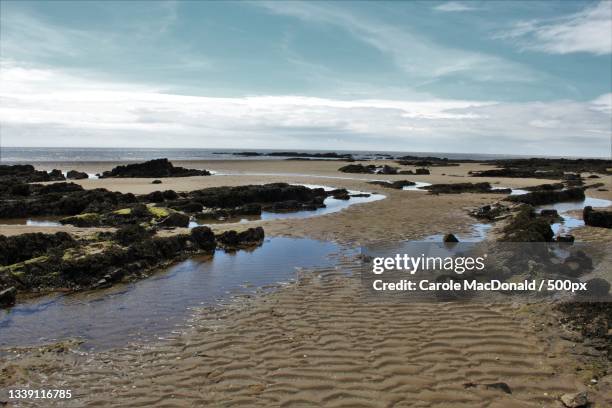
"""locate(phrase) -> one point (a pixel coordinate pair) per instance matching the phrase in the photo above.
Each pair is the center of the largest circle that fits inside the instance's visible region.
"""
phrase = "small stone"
(575, 400)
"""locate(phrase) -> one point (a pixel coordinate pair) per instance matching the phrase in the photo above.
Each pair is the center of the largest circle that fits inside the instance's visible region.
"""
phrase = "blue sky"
(492, 77)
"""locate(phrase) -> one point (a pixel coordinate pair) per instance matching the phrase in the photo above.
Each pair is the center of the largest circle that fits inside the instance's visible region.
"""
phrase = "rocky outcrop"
(490, 212)
(76, 175)
(234, 240)
(525, 226)
(358, 168)
(157, 168)
(597, 218)
(129, 253)
(548, 196)
(19, 248)
(398, 185)
(458, 188)
(26, 173)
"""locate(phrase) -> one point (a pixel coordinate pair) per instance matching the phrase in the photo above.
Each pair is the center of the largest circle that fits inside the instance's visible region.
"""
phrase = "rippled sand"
(318, 342)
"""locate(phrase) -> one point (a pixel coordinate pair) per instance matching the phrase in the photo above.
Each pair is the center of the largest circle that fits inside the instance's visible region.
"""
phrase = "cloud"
(453, 6)
(415, 54)
(44, 107)
(588, 31)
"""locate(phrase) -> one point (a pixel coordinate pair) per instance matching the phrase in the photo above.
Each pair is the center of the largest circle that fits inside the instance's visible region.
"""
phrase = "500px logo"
(413, 264)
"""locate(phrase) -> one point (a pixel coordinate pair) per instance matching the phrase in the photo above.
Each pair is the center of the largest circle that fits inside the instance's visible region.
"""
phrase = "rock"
(524, 226)
(203, 237)
(458, 188)
(597, 218)
(340, 194)
(575, 400)
(549, 197)
(76, 175)
(421, 172)
(545, 187)
(358, 168)
(502, 386)
(157, 168)
(593, 176)
(174, 219)
(450, 238)
(565, 238)
(233, 239)
(19, 248)
(8, 296)
(131, 233)
(156, 182)
(398, 185)
(549, 213)
(490, 212)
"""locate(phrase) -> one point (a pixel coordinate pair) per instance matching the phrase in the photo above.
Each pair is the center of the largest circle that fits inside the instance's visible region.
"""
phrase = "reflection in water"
(157, 305)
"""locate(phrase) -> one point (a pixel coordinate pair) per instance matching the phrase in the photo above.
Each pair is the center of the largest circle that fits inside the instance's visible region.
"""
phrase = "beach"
(316, 341)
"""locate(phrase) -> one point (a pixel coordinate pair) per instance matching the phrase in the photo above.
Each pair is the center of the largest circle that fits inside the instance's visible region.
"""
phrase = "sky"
(510, 77)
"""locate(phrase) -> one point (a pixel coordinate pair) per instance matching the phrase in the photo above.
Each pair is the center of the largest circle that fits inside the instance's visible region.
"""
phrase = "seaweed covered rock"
(233, 239)
(358, 168)
(490, 212)
(203, 237)
(387, 170)
(458, 188)
(26, 173)
(174, 219)
(8, 296)
(157, 168)
(422, 172)
(597, 218)
(63, 199)
(231, 197)
(398, 185)
(19, 248)
(548, 196)
(131, 233)
(526, 226)
(340, 194)
(76, 175)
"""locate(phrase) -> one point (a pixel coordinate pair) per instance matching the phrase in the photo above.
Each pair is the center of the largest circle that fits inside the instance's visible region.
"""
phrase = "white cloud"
(414, 54)
(41, 107)
(588, 31)
(453, 6)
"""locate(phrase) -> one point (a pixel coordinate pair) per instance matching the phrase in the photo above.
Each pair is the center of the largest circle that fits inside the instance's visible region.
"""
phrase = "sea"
(15, 155)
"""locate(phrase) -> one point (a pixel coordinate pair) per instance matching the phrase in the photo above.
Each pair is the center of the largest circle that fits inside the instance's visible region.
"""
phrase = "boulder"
(597, 218)
(156, 182)
(398, 185)
(387, 170)
(203, 237)
(575, 400)
(358, 168)
(549, 197)
(421, 172)
(565, 238)
(76, 175)
(340, 194)
(450, 238)
(233, 239)
(157, 168)
(8, 296)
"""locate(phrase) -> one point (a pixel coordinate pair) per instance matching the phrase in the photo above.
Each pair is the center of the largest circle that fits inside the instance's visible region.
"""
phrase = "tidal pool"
(153, 307)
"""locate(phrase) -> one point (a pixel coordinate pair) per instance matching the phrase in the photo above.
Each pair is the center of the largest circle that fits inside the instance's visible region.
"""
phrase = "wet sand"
(318, 342)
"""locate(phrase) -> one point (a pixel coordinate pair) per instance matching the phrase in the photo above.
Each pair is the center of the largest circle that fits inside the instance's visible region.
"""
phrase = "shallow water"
(570, 221)
(332, 205)
(158, 305)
